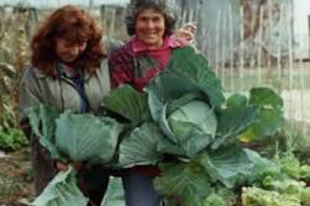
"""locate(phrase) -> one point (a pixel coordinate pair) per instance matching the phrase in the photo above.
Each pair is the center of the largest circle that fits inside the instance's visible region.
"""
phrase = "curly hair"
(165, 7)
(72, 24)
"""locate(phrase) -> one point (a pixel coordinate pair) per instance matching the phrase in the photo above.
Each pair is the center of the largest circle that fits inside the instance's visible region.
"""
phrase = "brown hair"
(72, 24)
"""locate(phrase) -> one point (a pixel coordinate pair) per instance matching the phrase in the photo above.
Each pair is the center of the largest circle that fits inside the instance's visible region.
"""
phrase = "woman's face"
(150, 28)
(67, 51)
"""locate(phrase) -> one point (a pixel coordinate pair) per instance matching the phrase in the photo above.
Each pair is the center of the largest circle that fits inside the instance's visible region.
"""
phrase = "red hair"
(74, 25)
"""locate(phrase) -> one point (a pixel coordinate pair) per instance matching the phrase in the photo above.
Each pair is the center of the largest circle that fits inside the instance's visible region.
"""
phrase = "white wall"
(301, 28)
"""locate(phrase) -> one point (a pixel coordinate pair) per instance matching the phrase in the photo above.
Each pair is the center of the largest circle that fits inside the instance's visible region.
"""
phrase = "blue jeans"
(139, 190)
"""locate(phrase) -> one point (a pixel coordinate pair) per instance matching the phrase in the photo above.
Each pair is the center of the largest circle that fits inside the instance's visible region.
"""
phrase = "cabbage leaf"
(140, 147)
(186, 181)
(114, 195)
(84, 137)
(61, 191)
(231, 122)
(42, 121)
(229, 165)
(129, 103)
(270, 118)
(187, 63)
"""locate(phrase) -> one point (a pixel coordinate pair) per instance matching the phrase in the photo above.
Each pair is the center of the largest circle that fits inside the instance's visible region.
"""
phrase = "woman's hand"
(186, 32)
(62, 166)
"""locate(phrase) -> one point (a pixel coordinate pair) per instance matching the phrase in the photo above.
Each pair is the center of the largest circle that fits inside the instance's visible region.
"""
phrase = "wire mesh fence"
(249, 46)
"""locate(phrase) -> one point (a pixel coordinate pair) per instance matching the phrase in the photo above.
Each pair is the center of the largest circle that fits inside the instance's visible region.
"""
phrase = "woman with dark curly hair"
(151, 23)
(68, 72)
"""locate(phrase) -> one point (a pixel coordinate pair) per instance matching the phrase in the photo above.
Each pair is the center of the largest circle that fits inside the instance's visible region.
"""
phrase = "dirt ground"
(15, 179)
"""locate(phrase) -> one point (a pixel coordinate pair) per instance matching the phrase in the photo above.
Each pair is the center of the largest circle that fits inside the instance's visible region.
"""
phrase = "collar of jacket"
(41, 75)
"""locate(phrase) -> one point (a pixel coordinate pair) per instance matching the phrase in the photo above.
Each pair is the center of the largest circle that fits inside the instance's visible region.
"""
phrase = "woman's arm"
(29, 96)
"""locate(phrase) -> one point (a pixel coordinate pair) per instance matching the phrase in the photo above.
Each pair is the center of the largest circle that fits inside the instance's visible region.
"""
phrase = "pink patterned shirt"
(136, 65)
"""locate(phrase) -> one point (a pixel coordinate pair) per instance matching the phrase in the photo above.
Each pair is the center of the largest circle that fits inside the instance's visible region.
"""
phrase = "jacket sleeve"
(29, 96)
(29, 93)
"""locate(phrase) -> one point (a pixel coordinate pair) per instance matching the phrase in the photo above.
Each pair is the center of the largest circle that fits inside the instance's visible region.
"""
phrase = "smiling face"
(68, 51)
(150, 28)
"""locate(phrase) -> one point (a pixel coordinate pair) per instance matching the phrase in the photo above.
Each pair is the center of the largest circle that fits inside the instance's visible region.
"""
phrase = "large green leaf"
(231, 122)
(165, 146)
(262, 168)
(84, 137)
(42, 121)
(188, 182)
(270, 118)
(237, 100)
(189, 64)
(114, 195)
(61, 191)
(129, 103)
(227, 165)
(266, 97)
(188, 72)
(140, 148)
(269, 121)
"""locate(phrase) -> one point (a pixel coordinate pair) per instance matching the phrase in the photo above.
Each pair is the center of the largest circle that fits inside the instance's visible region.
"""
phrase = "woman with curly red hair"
(68, 72)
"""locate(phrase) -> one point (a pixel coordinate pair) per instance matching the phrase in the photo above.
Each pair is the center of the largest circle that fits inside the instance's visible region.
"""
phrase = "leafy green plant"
(182, 113)
(253, 196)
(271, 115)
(199, 128)
(11, 138)
(13, 45)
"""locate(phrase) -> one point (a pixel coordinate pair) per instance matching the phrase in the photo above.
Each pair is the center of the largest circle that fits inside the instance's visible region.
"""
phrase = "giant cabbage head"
(193, 125)
(183, 101)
